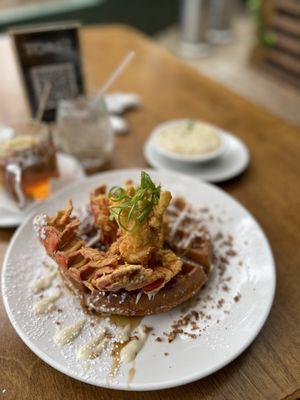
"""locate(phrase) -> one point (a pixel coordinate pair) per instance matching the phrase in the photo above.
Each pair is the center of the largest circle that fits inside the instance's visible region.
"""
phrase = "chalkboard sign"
(49, 55)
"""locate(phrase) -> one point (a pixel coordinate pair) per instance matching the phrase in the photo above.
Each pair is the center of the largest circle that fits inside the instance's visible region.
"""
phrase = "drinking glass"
(27, 161)
(194, 18)
(222, 13)
(84, 131)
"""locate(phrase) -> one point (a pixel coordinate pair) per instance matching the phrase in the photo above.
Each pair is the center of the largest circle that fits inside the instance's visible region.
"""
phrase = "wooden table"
(270, 189)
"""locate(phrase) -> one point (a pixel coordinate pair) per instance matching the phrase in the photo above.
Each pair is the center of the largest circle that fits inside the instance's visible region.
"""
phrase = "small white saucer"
(69, 170)
(230, 164)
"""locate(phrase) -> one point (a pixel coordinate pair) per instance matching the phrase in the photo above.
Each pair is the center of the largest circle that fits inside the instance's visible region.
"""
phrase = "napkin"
(117, 103)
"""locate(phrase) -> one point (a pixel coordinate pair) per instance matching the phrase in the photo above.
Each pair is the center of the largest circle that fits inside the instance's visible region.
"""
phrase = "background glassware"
(193, 28)
(84, 131)
(221, 16)
(28, 161)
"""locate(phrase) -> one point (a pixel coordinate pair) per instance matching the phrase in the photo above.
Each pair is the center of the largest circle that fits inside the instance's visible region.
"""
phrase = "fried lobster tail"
(135, 264)
(98, 270)
(59, 236)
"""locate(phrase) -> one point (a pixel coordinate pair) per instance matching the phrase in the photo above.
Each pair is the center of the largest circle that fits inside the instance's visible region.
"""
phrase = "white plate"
(11, 216)
(188, 359)
(188, 158)
(231, 163)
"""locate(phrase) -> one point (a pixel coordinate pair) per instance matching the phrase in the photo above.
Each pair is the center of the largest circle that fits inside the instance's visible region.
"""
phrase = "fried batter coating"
(100, 203)
(139, 245)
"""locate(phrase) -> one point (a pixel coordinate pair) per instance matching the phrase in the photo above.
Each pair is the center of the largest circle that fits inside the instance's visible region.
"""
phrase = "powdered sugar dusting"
(39, 223)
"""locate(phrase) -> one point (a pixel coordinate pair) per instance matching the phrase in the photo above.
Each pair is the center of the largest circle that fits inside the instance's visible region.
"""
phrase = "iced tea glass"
(27, 162)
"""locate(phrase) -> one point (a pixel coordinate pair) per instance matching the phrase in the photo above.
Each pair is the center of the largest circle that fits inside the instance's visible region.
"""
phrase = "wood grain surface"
(270, 189)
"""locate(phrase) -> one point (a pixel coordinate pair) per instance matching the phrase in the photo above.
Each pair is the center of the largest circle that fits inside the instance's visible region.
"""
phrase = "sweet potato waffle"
(187, 236)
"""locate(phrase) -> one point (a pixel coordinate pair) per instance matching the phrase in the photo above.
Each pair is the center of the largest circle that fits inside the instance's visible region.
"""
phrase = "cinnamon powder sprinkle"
(237, 297)
(171, 336)
(231, 253)
(220, 303)
(191, 335)
(224, 260)
(147, 328)
(225, 287)
(191, 319)
(195, 314)
(218, 237)
(222, 269)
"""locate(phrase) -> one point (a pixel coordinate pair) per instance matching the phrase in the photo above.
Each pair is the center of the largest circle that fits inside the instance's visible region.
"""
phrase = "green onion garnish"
(190, 124)
(133, 209)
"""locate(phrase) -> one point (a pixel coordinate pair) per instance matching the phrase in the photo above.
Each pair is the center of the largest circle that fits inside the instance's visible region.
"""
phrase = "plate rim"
(139, 386)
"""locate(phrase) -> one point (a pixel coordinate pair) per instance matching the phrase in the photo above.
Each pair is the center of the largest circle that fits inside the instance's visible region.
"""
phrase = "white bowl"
(187, 158)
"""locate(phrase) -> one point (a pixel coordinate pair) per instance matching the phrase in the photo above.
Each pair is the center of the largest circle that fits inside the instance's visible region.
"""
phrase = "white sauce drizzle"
(125, 334)
(93, 240)
(130, 351)
(50, 266)
(185, 242)
(93, 348)
(151, 295)
(43, 283)
(46, 304)
(138, 296)
(69, 333)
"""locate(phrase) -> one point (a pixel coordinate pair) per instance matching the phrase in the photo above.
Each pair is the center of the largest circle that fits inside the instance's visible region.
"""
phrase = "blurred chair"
(278, 38)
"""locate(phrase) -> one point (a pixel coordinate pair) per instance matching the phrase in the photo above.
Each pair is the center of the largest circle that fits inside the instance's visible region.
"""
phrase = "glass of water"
(84, 131)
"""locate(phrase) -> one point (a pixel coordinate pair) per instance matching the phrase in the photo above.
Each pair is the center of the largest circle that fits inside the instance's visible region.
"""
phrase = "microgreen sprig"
(190, 125)
(129, 210)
